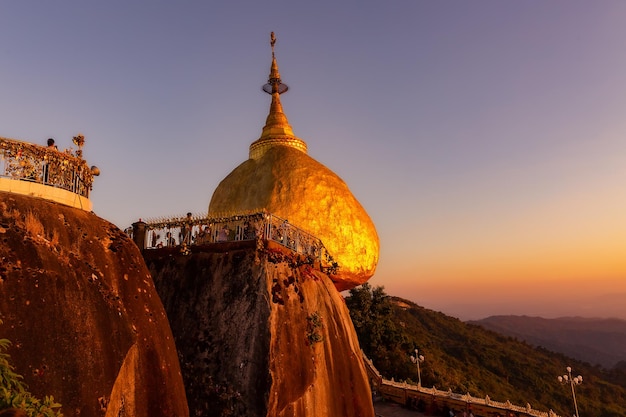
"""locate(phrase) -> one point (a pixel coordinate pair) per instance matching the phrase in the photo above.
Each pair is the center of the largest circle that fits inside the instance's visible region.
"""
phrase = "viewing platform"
(186, 232)
(45, 172)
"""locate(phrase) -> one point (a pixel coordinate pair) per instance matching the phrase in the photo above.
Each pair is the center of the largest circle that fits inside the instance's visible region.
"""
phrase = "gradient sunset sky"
(486, 139)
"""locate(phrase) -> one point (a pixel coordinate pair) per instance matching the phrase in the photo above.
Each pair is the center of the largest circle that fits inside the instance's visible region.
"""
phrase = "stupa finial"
(277, 130)
(274, 83)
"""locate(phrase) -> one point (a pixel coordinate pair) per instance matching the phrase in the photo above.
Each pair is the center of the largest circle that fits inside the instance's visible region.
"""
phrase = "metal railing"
(192, 230)
(29, 162)
(415, 391)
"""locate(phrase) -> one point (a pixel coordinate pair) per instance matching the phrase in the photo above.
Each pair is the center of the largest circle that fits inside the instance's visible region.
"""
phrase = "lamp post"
(416, 360)
(567, 379)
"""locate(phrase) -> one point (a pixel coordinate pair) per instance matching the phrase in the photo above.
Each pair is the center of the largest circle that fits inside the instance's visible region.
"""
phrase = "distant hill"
(469, 358)
(597, 341)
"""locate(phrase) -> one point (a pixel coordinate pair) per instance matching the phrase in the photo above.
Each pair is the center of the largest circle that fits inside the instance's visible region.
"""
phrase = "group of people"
(187, 237)
(193, 234)
(190, 231)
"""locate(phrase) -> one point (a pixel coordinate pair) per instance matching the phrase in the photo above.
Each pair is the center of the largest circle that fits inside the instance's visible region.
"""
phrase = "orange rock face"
(260, 334)
(86, 323)
(292, 185)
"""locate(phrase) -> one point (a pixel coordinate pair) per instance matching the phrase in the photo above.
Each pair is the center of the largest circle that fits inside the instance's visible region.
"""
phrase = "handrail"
(29, 162)
(379, 381)
(193, 230)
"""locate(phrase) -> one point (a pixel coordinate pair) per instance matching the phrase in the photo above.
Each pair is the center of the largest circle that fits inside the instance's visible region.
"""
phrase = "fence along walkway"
(192, 230)
(406, 394)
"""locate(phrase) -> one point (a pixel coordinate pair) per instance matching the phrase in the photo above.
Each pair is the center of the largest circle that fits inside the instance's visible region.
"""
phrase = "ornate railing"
(192, 230)
(390, 389)
(29, 162)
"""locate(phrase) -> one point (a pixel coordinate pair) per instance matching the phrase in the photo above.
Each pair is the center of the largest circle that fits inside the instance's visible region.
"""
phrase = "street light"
(567, 379)
(416, 360)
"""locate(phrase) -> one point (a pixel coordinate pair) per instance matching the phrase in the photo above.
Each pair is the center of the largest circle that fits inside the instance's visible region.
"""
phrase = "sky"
(486, 139)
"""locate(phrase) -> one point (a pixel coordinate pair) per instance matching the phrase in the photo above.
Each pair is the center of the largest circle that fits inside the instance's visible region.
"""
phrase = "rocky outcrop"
(260, 332)
(290, 184)
(86, 323)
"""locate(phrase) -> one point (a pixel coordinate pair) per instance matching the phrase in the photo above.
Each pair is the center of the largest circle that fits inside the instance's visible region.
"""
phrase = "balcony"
(45, 172)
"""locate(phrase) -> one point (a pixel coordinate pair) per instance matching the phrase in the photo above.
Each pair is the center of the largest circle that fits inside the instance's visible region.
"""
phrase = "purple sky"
(486, 139)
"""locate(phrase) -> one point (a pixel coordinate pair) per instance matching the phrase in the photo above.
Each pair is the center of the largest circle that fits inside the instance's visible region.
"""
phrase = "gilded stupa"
(283, 179)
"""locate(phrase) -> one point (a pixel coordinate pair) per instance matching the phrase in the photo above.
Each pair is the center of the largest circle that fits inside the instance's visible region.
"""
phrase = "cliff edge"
(260, 331)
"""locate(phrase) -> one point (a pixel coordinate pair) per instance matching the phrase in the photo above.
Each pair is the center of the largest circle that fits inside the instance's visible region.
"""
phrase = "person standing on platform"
(46, 165)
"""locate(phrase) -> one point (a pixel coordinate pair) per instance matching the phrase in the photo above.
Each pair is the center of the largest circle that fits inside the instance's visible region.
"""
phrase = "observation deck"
(184, 233)
(45, 172)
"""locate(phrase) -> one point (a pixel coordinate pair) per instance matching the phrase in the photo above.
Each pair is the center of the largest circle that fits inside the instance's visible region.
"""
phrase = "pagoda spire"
(277, 130)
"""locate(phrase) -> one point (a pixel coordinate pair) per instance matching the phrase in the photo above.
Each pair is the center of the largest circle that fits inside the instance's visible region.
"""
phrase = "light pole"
(567, 379)
(416, 360)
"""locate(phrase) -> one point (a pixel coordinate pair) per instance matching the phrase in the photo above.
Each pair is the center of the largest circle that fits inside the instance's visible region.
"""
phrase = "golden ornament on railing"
(79, 140)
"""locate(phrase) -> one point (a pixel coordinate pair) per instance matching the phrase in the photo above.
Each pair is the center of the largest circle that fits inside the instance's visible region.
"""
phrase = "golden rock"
(281, 178)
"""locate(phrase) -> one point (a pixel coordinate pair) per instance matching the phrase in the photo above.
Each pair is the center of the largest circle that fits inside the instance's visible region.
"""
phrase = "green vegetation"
(314, 324)
(468, 358)
(14, 393)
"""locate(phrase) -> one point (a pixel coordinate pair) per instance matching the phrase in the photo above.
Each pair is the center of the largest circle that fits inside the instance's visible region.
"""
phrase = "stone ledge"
(47, 192)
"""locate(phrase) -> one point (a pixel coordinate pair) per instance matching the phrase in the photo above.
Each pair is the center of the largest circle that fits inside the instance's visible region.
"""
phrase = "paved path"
(389, 409)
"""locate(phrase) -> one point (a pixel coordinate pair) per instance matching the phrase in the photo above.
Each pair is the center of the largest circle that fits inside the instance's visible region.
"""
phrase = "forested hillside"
(468, 358)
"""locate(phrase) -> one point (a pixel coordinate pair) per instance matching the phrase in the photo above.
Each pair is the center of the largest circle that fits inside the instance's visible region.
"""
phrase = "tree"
(14, 393)
(372, 314)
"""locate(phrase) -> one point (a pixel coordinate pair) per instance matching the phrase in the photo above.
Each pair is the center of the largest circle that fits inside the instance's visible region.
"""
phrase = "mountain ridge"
(594, 340)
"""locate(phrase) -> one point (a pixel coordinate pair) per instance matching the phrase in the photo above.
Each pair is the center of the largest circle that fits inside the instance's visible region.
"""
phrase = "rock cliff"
(260, 332)
(86, 323)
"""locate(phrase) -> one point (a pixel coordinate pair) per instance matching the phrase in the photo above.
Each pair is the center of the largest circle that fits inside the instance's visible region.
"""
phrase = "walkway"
(390, 409)
(187, 231)
(434, 400)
